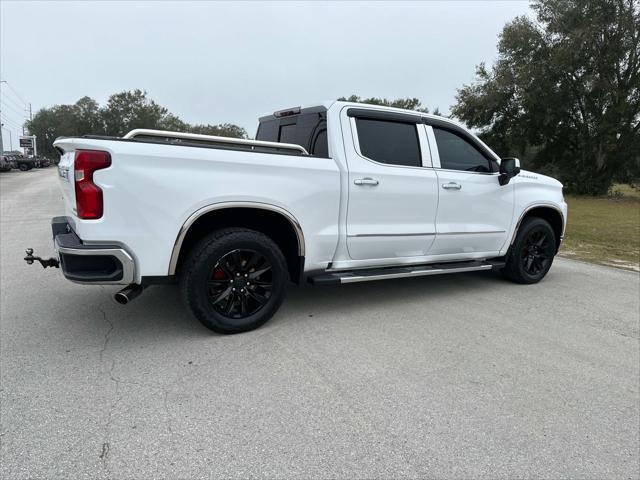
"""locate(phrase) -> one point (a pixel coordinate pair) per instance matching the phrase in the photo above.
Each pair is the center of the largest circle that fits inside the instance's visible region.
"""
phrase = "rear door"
(393, 189)
(474, 210)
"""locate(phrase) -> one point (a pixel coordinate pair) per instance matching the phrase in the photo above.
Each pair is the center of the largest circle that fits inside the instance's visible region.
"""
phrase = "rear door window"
(393, 143)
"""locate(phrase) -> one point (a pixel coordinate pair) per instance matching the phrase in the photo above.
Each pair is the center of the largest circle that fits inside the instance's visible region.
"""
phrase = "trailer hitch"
(48, 262)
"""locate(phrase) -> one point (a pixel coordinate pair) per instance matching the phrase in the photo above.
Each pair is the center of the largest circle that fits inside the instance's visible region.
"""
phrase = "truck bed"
(156, 182)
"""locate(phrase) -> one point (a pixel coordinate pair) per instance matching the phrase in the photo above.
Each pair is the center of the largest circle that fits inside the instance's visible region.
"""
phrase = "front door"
(474, 210)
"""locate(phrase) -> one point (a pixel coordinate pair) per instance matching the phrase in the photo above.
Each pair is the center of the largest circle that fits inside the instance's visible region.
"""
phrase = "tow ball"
(45, 262)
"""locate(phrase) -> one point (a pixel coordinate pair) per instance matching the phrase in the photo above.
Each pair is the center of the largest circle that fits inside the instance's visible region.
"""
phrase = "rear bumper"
(84, 263)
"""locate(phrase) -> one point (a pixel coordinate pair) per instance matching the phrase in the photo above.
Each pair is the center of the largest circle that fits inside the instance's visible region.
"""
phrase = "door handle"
(366, 181)
(451, 186)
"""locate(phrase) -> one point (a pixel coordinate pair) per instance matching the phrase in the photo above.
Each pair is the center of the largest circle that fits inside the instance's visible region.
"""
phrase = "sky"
(217, 62)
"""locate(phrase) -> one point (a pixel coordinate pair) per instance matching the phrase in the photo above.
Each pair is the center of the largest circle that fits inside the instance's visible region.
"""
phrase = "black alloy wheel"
(537, 252)
(234, 280)
(240, 283)
(531, 255)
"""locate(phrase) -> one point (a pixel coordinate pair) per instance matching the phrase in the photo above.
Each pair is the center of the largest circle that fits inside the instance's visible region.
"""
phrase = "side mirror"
(509, 168)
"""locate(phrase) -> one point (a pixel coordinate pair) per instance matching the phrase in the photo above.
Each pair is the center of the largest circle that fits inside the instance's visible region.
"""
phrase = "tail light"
(88, 195)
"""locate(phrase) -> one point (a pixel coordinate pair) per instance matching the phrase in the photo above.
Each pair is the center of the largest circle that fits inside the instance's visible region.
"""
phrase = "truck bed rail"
(213, 140)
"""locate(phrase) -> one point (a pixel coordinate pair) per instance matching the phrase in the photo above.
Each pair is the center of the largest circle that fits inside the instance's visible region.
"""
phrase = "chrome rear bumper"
(90, 264)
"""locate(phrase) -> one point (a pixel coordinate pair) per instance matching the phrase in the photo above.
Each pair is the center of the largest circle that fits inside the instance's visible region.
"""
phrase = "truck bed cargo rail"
(147, 134)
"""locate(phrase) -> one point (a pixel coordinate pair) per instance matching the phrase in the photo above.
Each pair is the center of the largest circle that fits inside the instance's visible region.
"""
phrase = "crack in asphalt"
(107, 335)
(105, 451)
(166, 409)
(106, 445)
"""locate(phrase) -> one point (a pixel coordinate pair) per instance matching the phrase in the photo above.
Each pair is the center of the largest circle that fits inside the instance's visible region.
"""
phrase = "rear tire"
(234, 280)
(23, 167)
(531, 255)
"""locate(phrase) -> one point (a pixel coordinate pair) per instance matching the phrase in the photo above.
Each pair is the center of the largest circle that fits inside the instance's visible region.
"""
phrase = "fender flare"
(539, 205)
(177, 246)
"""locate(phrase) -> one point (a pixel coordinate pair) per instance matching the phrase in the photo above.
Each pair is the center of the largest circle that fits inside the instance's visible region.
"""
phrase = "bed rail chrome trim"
(175, 253)
(213, 138)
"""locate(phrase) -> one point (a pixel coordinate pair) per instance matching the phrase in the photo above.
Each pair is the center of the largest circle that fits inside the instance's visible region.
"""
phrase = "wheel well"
(273, 224)
(552, 216)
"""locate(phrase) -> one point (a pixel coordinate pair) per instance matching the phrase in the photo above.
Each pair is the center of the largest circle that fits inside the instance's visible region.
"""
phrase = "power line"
(10, 130)
(10, 122)
(13, 109)
(10, 127)
(26, 104)
(11, 118)
(13, 102)
(4, 115)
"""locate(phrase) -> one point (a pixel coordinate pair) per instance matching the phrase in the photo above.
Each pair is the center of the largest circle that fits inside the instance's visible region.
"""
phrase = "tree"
(88, 116)
(221, 130)
(123, 112)
(405, 103)
(126, 111)
(64, 121)
(564, 94)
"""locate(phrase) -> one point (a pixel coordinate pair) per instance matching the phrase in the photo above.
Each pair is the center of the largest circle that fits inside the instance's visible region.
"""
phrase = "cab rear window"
(307, 129)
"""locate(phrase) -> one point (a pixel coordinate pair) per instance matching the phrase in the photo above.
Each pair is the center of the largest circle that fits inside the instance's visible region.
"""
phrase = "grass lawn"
(605, 230)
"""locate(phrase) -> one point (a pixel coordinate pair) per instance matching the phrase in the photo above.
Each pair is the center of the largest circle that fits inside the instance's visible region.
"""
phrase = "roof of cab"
(338, 104)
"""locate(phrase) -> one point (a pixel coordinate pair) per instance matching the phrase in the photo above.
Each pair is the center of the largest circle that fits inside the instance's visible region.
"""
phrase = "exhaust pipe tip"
(121, 298)
(128, 293)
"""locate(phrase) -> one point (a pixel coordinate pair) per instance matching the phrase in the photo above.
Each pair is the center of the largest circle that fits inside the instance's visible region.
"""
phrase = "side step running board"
(368, 275)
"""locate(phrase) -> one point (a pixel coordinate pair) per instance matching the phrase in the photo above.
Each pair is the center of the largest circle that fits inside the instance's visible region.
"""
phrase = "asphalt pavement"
(457, 376)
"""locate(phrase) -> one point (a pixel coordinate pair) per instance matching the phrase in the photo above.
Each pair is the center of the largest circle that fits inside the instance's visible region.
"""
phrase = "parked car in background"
(5, 164)
(42, 162)
(24, 163)
(10, 158)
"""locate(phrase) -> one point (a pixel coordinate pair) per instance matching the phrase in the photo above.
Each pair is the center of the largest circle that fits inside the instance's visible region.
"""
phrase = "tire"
(216, 280)
(531, 255)
(23, 168)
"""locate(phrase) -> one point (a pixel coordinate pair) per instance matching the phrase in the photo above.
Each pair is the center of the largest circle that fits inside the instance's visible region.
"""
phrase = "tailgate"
(65, 176)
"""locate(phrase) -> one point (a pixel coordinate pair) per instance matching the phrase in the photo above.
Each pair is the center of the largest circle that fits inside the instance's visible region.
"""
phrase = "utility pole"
(1, 124)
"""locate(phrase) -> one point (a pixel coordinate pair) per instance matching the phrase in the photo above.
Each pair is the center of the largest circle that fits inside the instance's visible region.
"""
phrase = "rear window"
(320, 146)
(308, 130)
(287, 134)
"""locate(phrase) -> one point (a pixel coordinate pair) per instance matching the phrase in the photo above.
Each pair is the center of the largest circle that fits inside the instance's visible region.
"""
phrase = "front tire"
(234, 280)
(531, 255)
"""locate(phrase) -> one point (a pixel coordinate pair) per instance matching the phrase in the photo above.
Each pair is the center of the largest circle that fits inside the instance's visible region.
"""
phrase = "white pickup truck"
(329, 194)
